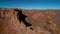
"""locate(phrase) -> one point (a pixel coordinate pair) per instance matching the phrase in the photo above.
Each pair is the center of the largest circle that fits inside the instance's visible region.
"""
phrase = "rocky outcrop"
(36, 22)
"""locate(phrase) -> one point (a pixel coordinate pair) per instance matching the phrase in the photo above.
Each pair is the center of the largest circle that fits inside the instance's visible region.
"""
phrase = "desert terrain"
(22, 21)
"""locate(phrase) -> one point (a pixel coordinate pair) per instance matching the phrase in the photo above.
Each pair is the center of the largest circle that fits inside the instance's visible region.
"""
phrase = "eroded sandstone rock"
(10, 23)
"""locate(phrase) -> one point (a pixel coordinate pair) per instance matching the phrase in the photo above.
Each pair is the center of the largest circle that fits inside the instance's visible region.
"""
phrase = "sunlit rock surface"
(42, 21)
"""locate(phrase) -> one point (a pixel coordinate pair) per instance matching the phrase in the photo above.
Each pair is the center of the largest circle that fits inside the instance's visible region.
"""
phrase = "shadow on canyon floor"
(21, 17)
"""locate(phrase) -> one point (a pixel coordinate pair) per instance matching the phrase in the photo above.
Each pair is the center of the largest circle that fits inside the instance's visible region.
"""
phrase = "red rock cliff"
(42, 21)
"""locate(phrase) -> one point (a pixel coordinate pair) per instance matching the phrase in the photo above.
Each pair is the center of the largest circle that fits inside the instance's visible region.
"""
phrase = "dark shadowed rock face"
(19, 21)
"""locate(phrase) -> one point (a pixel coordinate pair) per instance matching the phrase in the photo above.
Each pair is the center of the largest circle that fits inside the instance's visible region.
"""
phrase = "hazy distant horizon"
(30, 4)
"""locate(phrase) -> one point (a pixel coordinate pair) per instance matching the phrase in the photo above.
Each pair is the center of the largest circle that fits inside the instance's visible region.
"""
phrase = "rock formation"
(12, 21)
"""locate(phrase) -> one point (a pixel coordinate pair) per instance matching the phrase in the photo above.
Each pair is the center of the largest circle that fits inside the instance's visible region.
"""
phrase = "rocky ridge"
(42, 21)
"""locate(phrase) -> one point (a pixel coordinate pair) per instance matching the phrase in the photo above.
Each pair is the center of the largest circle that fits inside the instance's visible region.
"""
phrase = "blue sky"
(30, 4)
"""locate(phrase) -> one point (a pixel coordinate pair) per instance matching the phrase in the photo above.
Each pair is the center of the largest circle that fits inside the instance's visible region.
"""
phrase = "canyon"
(22, 21)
